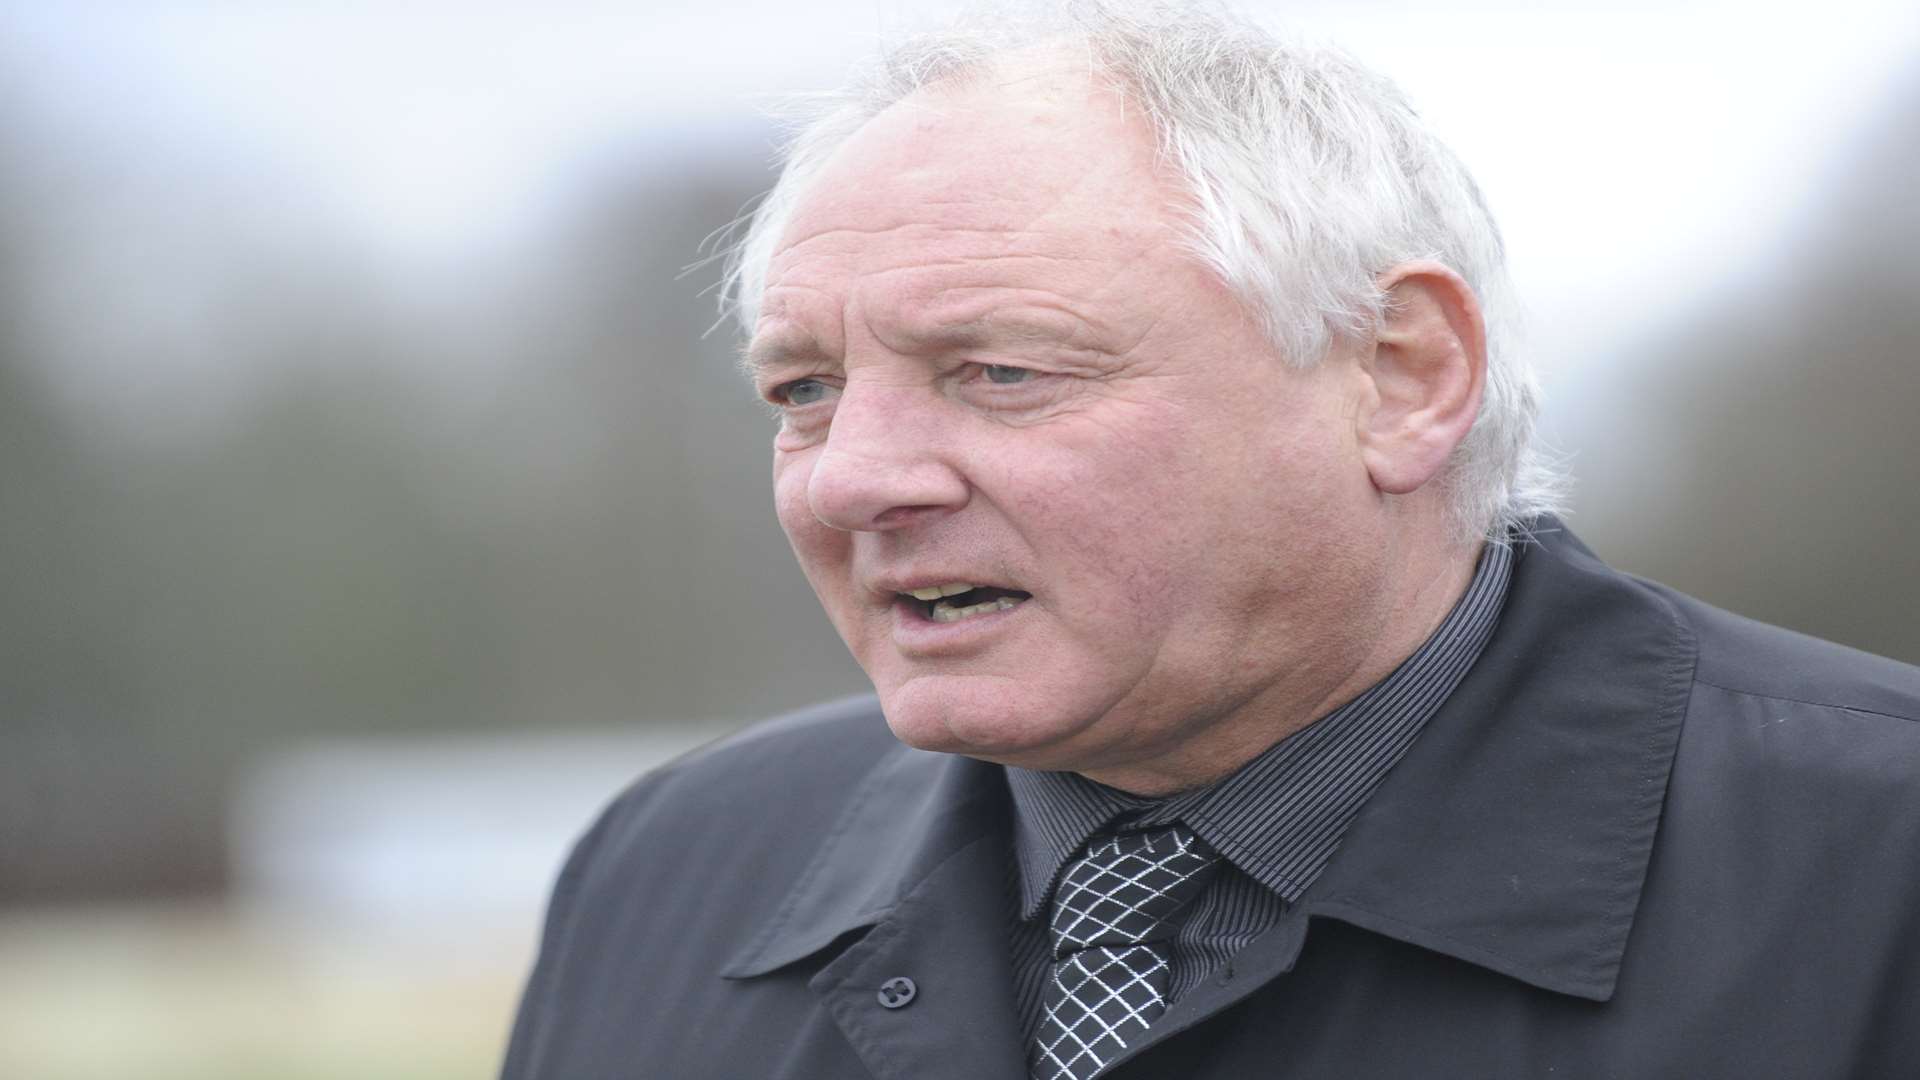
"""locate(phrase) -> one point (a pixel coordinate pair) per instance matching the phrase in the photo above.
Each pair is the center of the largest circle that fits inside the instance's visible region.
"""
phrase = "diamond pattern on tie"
(1111, 923)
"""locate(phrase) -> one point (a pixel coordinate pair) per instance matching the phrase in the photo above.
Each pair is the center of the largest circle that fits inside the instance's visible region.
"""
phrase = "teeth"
(946, 613)
(935, 592)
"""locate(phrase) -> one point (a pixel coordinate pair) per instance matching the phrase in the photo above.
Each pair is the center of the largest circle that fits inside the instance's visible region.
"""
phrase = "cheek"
(1175, 526)
(1111, 512)
(790, 496)
(818, 547)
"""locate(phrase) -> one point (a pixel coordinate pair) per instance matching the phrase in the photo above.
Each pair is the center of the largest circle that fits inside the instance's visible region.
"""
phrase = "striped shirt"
(1276, 820)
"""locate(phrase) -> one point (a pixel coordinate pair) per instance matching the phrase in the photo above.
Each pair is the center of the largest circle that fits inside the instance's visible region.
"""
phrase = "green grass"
(203, 993)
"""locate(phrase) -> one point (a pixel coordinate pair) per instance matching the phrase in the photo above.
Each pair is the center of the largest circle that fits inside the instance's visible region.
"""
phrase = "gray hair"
(1308, 175)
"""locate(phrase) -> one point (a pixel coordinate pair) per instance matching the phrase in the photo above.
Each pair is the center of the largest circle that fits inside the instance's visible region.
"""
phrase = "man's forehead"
(999, 140)
(966, 204)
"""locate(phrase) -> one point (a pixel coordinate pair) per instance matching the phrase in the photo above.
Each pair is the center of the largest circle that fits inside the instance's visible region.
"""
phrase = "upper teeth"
(935, 592)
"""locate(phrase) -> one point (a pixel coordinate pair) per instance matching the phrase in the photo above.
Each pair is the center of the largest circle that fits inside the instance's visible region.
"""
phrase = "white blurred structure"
(428, 834)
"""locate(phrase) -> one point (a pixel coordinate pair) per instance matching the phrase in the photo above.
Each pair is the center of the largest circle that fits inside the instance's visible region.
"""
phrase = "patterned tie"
(1110, 930)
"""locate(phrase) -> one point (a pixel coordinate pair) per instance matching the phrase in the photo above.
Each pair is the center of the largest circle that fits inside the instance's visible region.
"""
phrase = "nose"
(884, 465)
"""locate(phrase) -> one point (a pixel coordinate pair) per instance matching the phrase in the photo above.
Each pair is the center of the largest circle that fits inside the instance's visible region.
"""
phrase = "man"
(1143, 435)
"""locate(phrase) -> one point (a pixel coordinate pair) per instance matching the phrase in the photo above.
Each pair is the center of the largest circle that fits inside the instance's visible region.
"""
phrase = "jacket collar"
(914, 811)
(1514, 834)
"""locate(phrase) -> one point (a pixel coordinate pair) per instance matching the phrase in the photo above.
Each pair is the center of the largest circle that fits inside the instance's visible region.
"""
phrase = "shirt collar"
(1279, 816)
(1514, 835)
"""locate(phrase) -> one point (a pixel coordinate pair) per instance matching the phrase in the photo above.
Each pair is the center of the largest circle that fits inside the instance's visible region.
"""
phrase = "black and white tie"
(1111, 923)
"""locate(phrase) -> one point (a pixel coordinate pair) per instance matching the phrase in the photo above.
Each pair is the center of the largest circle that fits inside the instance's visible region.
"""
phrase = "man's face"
(996, 368)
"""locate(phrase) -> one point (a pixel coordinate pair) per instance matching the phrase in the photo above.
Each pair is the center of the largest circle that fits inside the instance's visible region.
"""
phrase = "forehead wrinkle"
(843, 241)
(1030, 320)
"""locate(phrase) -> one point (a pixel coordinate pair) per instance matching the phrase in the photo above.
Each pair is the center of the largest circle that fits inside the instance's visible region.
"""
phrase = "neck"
(1423, 584)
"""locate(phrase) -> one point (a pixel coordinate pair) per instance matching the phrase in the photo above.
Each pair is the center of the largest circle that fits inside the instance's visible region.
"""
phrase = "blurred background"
(374, 501)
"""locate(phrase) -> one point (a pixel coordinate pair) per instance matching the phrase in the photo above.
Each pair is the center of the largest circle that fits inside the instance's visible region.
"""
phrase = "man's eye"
(801, 392)
(1004, 375)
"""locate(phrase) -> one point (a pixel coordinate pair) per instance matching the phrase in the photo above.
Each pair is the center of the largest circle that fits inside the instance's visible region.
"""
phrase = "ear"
(1427, 370)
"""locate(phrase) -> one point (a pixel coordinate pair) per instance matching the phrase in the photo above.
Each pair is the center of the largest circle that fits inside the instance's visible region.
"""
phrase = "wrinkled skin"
(996, 366)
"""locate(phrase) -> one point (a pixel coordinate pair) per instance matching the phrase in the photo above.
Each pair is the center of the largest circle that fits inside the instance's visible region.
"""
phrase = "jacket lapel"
(922, 856)
(1516, 833)
(949, 937)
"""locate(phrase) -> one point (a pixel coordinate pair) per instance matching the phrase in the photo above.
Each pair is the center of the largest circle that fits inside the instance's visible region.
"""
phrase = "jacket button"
(897, 992)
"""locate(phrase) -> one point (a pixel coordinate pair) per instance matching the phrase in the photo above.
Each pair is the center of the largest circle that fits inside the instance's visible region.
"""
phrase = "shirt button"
(897, 992)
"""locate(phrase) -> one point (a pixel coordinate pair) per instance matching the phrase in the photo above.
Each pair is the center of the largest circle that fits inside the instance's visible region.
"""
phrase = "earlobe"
(1428, 367)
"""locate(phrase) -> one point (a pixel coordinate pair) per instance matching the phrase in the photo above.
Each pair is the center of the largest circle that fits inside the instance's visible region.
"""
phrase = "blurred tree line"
(565, 525)
(1767, 456)
(562, 520)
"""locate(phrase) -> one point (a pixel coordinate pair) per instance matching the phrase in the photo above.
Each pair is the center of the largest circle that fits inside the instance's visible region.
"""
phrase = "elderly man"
(1146, 432)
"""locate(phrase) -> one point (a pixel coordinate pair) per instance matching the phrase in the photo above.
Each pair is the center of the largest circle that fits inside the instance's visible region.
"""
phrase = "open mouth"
(960, 600)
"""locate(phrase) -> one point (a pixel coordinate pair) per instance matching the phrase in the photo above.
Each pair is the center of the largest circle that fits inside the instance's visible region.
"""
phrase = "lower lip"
(916, 634)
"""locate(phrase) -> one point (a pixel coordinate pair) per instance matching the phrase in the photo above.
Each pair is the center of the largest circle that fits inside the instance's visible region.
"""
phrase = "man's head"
(1169, 338)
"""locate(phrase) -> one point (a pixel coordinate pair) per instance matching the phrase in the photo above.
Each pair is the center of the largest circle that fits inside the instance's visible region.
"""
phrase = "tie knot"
(1127, 886)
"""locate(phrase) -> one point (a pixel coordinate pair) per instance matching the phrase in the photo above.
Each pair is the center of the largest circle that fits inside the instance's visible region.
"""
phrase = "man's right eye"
(800, 392)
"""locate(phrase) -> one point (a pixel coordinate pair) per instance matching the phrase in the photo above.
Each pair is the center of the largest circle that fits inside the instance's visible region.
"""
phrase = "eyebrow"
(777, 350)
(791, 346)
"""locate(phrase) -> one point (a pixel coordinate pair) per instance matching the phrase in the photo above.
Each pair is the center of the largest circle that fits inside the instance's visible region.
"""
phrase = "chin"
(989, 719)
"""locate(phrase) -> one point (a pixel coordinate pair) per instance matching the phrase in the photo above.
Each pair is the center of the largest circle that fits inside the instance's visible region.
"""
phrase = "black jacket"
(1644, 838)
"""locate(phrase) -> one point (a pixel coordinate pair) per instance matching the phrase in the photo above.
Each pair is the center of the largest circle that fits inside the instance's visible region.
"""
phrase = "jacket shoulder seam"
(1807, 701)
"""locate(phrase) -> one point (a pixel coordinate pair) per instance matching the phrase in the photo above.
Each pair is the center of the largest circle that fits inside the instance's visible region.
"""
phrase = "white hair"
(1308, 176)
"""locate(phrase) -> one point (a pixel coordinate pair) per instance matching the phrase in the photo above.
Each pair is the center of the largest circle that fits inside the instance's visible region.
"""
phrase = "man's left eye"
(1006, 375)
